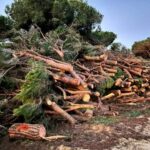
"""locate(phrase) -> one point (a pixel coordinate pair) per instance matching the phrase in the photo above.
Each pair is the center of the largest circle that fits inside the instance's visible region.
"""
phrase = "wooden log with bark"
(60, 111)
(28, 131)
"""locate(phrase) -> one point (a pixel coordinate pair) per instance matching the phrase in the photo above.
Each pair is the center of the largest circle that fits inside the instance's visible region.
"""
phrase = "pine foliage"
(35, 84)
(105, 84)
(29, 111)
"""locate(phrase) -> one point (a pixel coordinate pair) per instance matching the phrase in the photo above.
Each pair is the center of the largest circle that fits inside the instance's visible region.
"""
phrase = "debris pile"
(45, 79)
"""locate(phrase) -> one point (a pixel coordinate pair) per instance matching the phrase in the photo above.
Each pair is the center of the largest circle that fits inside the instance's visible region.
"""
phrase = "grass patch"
(133, 113)
(104, 120)
(146, 112)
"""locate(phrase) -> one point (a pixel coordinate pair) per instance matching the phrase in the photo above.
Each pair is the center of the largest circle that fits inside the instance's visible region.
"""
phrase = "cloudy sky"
(129, 19)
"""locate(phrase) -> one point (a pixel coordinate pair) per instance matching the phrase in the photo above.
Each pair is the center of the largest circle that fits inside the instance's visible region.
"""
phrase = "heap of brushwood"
(35, 85)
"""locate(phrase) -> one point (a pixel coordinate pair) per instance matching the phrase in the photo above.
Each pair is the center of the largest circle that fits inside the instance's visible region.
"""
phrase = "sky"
(129, 19)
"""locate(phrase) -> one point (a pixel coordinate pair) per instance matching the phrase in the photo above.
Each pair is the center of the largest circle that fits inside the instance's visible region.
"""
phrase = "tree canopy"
(5, 24)
(49, 14)
(118, 47)
(102, 38)
(142, 48)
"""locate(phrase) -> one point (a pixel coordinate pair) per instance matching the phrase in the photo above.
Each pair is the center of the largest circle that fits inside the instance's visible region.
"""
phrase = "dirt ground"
(130, 130)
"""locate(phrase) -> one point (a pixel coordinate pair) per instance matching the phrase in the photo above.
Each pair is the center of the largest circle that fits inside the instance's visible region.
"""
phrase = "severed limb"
(60, 111)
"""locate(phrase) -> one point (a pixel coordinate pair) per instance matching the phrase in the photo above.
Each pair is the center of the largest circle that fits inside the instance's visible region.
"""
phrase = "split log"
(60, 111)
(29, 131)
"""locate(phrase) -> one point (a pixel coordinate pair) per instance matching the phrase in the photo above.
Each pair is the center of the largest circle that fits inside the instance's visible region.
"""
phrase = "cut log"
(75, 75)
(126, 94)
(145, 71)
(111, 62)
(67, 80)
(128, 73)
(60, 111)
(135, 88)
(145, 85)
(52, 63)
(135, 72)
(29, 131)
(59, 65)
(102, 71)
(126, 84)
(116, 92)
(135, 100)
(147, 94)
(86, 98)
(108, 96)
(129, 89)
(89, 113)
(143, 90)
(118, 82)
(78, 92)
(80, 106)
(59, 52)
(74, 97)
(110, 70)
(139, 70)
(82, 67)
(97, 94)
(96, 58)
(111, 74)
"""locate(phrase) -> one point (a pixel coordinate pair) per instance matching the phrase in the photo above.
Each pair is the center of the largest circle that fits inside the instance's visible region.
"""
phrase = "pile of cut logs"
(77, 82)
(133, 85)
